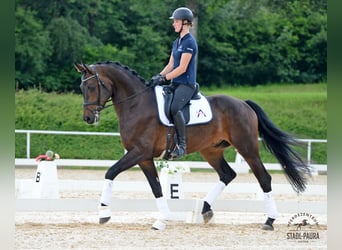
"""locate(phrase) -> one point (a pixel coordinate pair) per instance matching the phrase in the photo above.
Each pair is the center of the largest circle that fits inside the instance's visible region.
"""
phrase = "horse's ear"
(79, 67)
(86, 68)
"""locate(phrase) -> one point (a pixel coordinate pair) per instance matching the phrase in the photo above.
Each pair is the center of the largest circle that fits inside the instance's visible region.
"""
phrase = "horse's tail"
(279, 144)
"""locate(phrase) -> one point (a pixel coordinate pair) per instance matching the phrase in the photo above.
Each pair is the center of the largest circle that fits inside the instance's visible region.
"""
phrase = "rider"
(181, 70)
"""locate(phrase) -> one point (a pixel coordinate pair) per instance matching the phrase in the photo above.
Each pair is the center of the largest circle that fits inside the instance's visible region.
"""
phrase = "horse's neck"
(125, 86)
(134, 111)
(129, 95)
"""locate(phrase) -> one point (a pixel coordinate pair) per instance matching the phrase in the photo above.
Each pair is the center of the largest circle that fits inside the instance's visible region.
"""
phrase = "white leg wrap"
(214, 193)
(106, 192)
(270, 205)
(159, 225)
(163, 208)
(104, 211)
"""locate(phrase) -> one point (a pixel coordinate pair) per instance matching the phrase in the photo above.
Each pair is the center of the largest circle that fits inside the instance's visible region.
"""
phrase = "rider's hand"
(158, 80)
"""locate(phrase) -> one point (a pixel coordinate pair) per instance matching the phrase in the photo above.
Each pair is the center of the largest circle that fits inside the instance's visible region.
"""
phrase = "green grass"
(299, 109)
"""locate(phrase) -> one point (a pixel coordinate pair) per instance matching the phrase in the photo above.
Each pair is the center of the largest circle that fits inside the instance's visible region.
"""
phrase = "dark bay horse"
(235, 123)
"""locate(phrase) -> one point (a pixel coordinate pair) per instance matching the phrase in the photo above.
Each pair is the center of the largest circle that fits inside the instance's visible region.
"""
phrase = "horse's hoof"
(267, 227)
(158, 225)
(104, 214)
(207, 216)
(268, 224)
(104, 220)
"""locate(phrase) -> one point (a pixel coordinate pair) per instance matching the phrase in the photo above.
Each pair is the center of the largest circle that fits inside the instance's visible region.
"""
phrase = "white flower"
(180, 168)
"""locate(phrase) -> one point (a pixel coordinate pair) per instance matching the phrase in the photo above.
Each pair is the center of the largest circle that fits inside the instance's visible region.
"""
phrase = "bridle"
(100, 84)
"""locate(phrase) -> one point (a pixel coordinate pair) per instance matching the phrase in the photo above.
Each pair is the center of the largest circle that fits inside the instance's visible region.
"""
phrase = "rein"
(132, 96)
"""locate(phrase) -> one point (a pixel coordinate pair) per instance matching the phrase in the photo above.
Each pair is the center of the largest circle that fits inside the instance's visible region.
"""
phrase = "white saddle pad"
(200, 110)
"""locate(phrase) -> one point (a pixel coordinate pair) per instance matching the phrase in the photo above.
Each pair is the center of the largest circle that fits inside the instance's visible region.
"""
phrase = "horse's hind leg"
(226, 173)
(264, 178)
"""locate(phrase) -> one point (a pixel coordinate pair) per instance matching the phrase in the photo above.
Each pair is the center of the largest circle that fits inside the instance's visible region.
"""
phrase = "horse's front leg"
(151, 174)
(130, 159)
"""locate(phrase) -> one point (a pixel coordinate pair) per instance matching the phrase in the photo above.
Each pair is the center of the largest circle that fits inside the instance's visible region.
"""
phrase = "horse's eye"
(91, 88)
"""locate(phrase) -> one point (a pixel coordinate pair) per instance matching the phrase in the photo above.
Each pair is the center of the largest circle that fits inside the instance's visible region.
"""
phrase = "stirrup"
(178, 152)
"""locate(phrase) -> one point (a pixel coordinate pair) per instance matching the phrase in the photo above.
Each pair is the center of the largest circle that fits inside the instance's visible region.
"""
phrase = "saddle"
(197, 111)
(168, 98)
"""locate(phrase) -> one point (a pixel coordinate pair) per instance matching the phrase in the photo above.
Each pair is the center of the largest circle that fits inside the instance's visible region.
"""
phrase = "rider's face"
(177, 24)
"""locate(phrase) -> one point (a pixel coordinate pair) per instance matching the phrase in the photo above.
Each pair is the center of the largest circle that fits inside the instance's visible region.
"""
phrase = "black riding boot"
(180, 149)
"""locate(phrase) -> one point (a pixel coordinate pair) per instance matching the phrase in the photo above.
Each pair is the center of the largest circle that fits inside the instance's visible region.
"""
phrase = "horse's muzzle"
(92, 118)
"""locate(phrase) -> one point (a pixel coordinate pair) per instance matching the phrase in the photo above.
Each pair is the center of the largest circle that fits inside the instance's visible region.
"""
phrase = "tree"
(249, 42)
(32, 47)
(240, 41)
(68, 39)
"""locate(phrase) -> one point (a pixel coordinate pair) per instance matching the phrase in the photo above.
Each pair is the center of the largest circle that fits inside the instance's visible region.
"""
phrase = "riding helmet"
(183, 14)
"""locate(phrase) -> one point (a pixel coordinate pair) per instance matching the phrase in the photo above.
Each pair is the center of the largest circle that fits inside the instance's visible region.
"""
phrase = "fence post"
(28, 143)
(309, 152)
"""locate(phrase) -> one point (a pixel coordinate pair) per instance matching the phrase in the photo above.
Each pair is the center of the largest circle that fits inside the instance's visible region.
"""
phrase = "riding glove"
(158, 80)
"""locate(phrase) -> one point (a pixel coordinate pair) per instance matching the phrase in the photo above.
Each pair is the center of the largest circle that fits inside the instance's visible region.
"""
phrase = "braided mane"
(132, 71)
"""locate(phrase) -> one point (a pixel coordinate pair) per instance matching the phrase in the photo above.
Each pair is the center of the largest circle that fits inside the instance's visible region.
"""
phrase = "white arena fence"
(185, 209)
(297, 202)
(239, 165)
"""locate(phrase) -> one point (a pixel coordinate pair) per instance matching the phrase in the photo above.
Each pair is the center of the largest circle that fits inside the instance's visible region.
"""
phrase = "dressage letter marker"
(174, 189)
(172, 184)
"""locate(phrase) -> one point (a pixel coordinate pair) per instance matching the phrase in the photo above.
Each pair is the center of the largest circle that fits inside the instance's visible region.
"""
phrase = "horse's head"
(96, 92)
